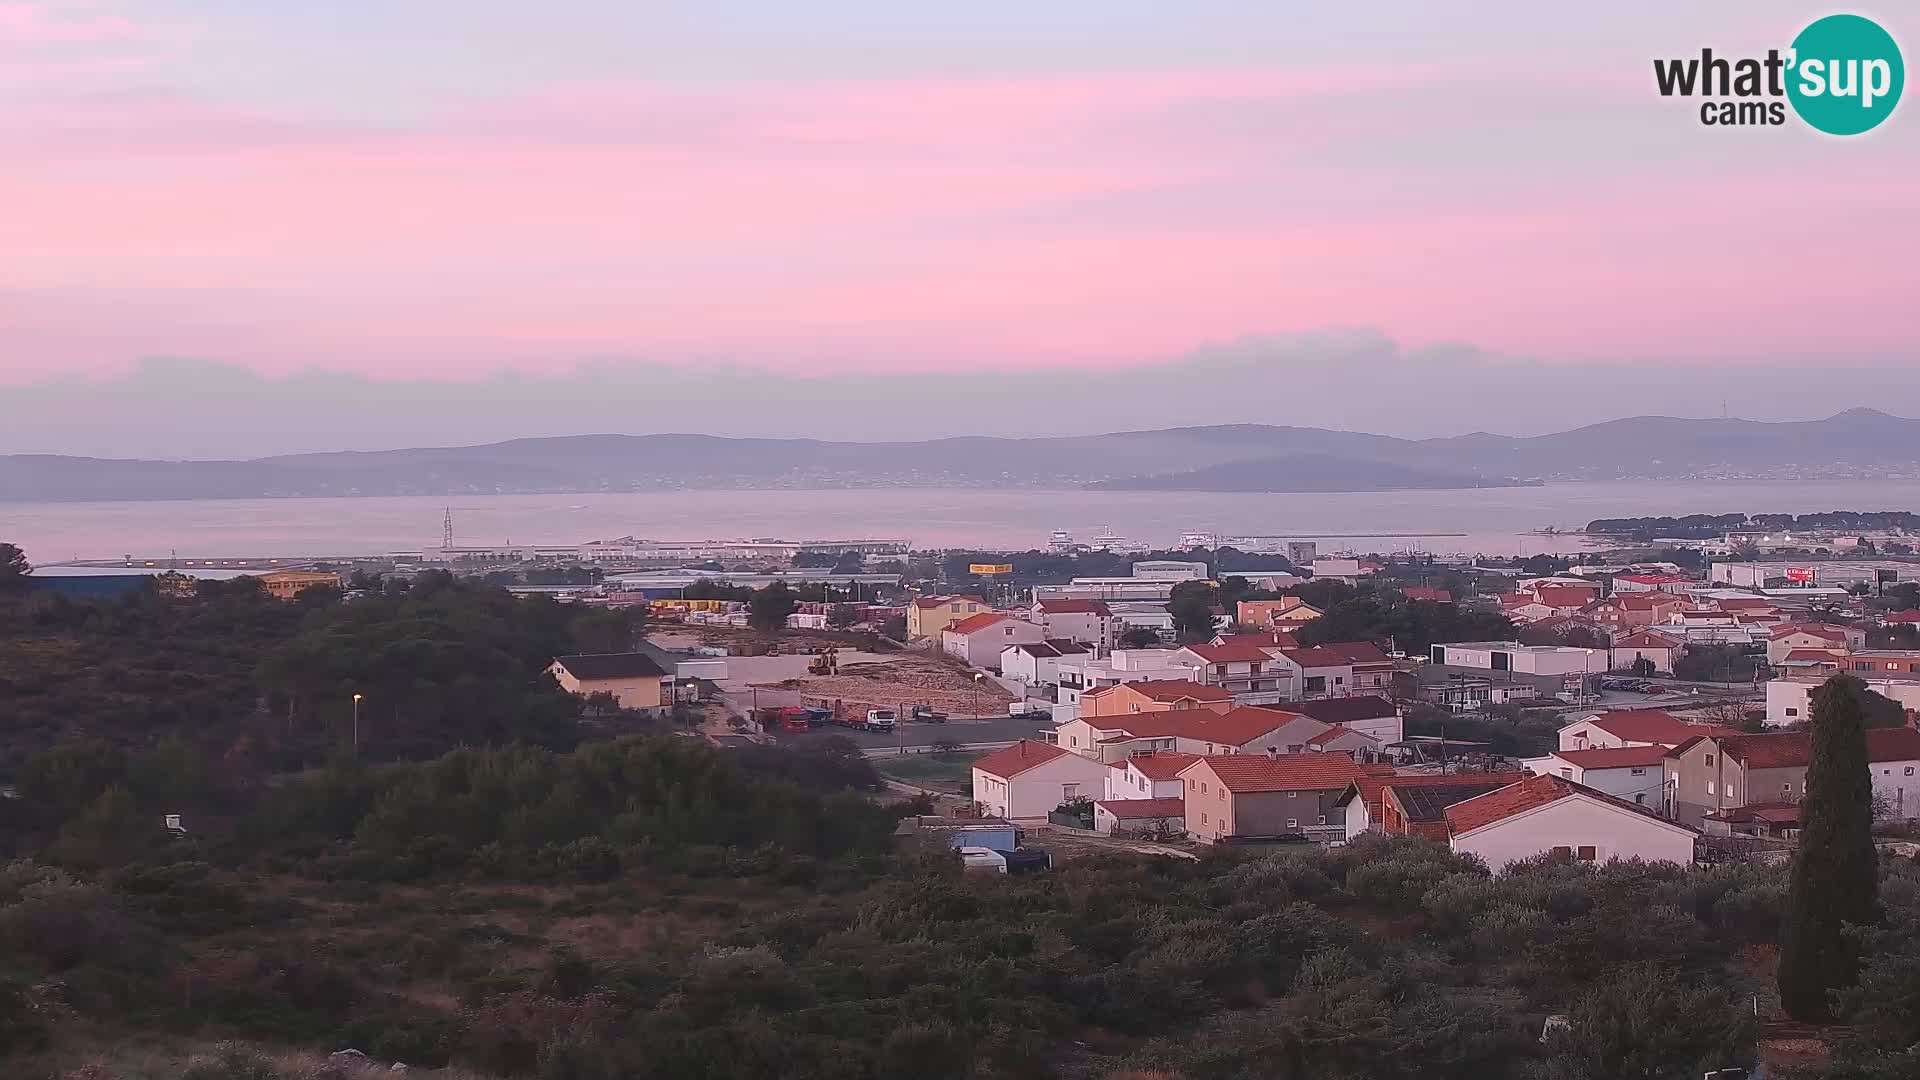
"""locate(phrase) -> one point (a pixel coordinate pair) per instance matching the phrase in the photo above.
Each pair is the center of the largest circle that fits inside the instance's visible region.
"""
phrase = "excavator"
(826, 663)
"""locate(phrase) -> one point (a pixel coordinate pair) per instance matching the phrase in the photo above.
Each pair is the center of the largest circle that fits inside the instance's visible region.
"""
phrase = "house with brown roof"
(1148, 776)
(1283, 613)
(1253, 673)
(928, 615)
(1342, 740)
(1624, 612)
(1037, 663)
(978, 640)
(1254, 796)
(1361, 808)
(1241, 730)
(1656, 649)
(1160, 695)
(1711, 773)
(1146, 819)
(1553, 815)
(1637, 774)
(1787, 637)
(1427, 593)
(1409, 807)
(1631, 727)
(1088, 622)
(632, 679)
(1027, 780)
(1372, 715)
(1325, 671)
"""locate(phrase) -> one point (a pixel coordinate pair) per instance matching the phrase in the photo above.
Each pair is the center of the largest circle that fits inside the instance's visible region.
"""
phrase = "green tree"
(1192, 609)
(769, 608)
(108, 832)
(14, 569)
(1138, 637)
(1834, 873)
(841, 616)
(1644, 667)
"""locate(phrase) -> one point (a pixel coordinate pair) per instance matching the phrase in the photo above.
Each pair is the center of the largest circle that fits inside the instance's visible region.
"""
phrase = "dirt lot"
(743, 642)
(904, 678)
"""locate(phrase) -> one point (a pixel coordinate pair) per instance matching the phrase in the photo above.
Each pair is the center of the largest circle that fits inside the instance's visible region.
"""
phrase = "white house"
(1085, 674)
(1635, 774)
(1340, 740)
(978, 640)
(1027, 780)
(1525, 659)
(1787, 637)
(1632, 727)
(1337, 569)
(1189, 731)
(1037, 663)
(1657, 649)
(1375, 717)
(1148, 776)
(1088, 622)
(1553, 814)
(1790, 697)
(1157, 819)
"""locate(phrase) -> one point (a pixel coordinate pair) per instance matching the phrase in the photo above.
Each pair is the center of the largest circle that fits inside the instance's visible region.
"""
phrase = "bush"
(230, 1061)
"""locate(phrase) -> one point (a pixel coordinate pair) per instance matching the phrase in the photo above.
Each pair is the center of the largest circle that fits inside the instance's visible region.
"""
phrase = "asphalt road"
(991, 730)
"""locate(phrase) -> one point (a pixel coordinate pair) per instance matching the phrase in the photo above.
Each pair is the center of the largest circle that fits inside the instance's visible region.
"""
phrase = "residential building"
(1712, 773)
(1790, 697)
(1371, 715)
(927, 616)
(1083, 675)
(1343, 740)
(1037, 663)
(1088, 622)
(1638, 583)
(1524, 659)
(1148, 776)
(978, 640)
(1027, 780)
(287, 584)
(1160, 695)
(1372, 670)
(1285, 613)
(1656, 649)
(1253, 674)
(1883, 663)
(1787, 637)
(1188, 731)
(1632, 727)
(1622, 613)
(1249, 796)
(1551, 814)
(1360, 808)
(1410, 807)
(633, 679)
(1637, 774)
(1147, 819)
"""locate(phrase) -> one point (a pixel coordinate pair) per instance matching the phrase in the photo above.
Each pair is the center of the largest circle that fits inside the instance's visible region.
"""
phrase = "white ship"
(1108, 540)
(1060, 541)
(1192, 540)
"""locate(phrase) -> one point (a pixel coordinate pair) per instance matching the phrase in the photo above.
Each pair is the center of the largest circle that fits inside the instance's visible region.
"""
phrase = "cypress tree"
(1835, 880)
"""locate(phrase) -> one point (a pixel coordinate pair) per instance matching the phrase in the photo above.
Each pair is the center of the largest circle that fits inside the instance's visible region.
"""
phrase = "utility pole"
(356, 722)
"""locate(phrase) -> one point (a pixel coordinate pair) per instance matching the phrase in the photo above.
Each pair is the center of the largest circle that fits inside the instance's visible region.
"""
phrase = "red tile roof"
(1654, 579)
(1911, 615)
(1614, 757)
(1515, 599)
(1372, 786)
(1794, 749)
(1649, 726)
(1075, 607)
(973, 623)
(1273, 639)
(1833, 656)
(1646, 639)
(1484, 810)
(1161, 765)
(1322, 656)
(1231, 654)
(1335, 732)
(1249, 773)
(1179, 689)
(1564, 596)
(1144, 808)
(942, 601)
(1644, 601)
(1819, 630)
(1427, 592)
(1236, 727)
(1010, 761)
(1358, 652)
(1347, 709)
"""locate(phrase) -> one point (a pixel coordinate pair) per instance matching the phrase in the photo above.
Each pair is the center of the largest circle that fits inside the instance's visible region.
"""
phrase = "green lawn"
(928, 769)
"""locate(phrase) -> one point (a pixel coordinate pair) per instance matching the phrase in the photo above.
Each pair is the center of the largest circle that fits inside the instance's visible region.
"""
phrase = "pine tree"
(1835, 881)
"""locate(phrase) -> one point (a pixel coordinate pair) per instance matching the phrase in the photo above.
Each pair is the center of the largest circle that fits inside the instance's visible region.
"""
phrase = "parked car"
(1027, 710)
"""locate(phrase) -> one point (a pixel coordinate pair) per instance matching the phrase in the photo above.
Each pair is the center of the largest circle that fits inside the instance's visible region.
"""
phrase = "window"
(1562, 849)
(1293, 794)
(1069, 792)
(1709, 761)
(1293, 823)
(1203, 817)
(1636, 772)
(1203, 787)
(1587, 853)
(1709, 787)
(1791, 711)
(1640, 798)
(1786, 789)
(1568, 773)
(1323, 819)
(1909, 770)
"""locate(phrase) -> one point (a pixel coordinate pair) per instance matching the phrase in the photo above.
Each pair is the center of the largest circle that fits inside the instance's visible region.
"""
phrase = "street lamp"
(977, 676)
(356, 720)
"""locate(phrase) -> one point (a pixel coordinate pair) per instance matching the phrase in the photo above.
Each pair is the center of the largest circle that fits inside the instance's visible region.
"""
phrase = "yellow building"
(928, 615)
(633, 679)
(287, 584)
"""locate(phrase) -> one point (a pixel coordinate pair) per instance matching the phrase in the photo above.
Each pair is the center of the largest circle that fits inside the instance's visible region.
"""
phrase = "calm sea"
(1490, 521)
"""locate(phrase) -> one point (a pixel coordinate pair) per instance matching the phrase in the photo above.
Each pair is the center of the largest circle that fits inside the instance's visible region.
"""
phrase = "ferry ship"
(1060, 541)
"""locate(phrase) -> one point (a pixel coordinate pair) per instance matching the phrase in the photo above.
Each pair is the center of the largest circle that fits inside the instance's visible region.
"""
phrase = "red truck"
(789, 718)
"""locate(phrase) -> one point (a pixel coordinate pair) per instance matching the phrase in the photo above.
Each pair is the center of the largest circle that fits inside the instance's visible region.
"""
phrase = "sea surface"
(1493, 521)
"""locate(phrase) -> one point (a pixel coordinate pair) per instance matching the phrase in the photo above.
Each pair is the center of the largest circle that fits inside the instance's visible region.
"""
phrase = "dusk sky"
(436, 221)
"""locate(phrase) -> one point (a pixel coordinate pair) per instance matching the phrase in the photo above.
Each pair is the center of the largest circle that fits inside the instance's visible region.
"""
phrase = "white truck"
(882, 719)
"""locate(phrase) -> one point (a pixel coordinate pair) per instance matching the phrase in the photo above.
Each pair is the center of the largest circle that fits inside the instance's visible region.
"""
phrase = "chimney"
(1273, 751)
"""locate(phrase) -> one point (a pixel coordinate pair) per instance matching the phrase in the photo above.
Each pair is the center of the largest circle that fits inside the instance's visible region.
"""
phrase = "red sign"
(1802, 574)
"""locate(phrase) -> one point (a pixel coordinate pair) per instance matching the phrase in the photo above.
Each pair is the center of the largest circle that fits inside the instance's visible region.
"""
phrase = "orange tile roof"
(1249, 773)
(1317, 657)
(1143, 808)
(1231, 654)
(1794, 749)
(1528, 794)
(1650, 725)
(1819, 630)
(1646, 639)
(1010, 761)
(1235, 727)
(1610, 757)
(977, 622)
(1357, 652)
(1177, 689)
(942, 601)
(1426, 592)
(1372, 786)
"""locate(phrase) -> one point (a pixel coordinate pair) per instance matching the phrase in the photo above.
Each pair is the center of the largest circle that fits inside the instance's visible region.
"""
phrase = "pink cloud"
(25, 25)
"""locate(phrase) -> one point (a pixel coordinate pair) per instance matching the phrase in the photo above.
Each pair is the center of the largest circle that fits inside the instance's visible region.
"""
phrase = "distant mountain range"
(1237, 457)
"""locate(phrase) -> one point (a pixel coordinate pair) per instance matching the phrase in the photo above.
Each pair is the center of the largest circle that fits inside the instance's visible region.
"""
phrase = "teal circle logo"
(1845, 74)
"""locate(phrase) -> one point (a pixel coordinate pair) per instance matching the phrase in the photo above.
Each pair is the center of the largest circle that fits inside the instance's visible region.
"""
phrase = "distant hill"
(1861, 442)
(1300, 473)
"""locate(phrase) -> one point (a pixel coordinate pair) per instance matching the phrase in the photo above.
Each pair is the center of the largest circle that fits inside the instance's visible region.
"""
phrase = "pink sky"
(166, 193)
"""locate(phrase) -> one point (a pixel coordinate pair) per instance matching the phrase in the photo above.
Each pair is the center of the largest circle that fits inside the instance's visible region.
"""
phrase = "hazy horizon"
(243, 229)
